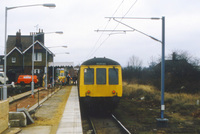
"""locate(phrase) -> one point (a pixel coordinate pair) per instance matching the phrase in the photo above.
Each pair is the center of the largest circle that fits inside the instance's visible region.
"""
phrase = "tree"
(135, 62)
(181, 73)
(133, 71)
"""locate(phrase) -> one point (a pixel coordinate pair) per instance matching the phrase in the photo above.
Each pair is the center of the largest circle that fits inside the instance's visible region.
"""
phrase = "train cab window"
(113, 76)
(101, 75)
(88, 76)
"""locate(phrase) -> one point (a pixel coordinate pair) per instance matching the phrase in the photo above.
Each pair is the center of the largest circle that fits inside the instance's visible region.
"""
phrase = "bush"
(169, 101)
(150, 97)
(140, 93)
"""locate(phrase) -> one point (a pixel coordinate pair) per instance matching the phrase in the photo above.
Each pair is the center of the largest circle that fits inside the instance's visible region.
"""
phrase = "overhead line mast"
(161, 120)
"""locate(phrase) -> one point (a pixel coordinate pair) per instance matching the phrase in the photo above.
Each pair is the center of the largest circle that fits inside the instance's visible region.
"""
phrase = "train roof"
(100, 61)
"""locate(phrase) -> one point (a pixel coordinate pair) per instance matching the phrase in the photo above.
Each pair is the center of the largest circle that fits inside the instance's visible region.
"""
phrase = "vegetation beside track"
(140, 106)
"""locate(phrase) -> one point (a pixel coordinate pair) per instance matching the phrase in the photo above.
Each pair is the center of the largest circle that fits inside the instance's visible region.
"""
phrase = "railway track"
(105, 124)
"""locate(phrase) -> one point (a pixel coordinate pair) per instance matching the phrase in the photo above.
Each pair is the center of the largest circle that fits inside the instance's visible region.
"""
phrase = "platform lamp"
(32, 83)
(50, 5)
(53, 61)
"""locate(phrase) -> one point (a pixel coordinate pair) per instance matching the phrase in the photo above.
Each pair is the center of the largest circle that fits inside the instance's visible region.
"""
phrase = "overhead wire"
(101, 44)
(93, 48)
(97, 40)
(115, 26)
(125, 15)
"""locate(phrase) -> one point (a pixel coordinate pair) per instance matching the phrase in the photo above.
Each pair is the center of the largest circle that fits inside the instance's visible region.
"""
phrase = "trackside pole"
(162, 122)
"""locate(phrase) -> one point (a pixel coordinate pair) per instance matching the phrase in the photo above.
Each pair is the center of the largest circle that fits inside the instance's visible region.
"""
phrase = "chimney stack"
(18, 40)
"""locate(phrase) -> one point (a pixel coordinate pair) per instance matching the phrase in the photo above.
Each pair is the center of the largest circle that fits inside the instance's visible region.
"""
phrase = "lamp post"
(53, 72)
(53, 62)
(5, 49)
(64, 46)
(60, 32)
(32, 83)
(162, 119)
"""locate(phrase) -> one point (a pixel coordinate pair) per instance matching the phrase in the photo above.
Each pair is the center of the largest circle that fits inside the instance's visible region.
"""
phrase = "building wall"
(38, 49)
(18, 56)
(23, 64)
(14, 69)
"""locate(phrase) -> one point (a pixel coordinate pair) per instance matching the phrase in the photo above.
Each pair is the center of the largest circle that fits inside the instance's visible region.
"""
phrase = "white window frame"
(36, 71)
(13, 59)
(37, 56)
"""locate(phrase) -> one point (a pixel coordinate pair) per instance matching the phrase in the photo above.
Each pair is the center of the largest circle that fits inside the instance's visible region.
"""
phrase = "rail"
(122, 126)
(92, 124)
(106, 123)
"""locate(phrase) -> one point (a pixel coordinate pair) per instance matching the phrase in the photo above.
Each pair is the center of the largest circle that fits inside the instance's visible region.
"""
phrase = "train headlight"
(88, 92)
(113, 92)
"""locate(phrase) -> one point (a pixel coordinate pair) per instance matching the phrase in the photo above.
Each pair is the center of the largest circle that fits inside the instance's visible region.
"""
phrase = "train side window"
(101, 75)
(113, 76)
(88, 76)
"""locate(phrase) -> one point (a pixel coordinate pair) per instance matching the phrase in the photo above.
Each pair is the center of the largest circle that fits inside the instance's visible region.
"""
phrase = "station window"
(37, 56)
(88, 76)
(13, 59)
(113, 76)
(101, 75)
(36, 71)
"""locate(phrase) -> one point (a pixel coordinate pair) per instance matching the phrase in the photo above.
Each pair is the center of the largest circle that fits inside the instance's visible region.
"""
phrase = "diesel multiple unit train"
(100, 83)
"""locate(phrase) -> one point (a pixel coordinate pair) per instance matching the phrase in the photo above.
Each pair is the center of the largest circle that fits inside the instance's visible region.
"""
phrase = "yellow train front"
(100, 83)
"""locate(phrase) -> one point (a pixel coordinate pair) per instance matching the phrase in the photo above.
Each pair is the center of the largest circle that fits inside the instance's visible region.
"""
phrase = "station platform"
(71, 120)
(51, 120)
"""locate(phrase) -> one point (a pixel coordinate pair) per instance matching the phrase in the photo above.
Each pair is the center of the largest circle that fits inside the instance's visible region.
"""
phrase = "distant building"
(66, 66)
(19, 54)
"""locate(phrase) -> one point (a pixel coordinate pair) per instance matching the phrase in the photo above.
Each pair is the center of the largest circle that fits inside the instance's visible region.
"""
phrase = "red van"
(26, 79)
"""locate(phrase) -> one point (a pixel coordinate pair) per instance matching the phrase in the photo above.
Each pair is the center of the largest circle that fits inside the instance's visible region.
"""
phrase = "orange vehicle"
(26, 79)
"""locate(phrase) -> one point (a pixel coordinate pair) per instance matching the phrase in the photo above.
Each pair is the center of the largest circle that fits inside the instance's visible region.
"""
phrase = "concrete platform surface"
(71, 119)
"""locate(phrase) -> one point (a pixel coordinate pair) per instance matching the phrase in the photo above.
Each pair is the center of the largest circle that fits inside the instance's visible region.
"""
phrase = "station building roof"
(61, 64)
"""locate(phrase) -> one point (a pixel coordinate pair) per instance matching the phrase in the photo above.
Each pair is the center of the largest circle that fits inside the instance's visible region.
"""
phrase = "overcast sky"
(79, 18)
